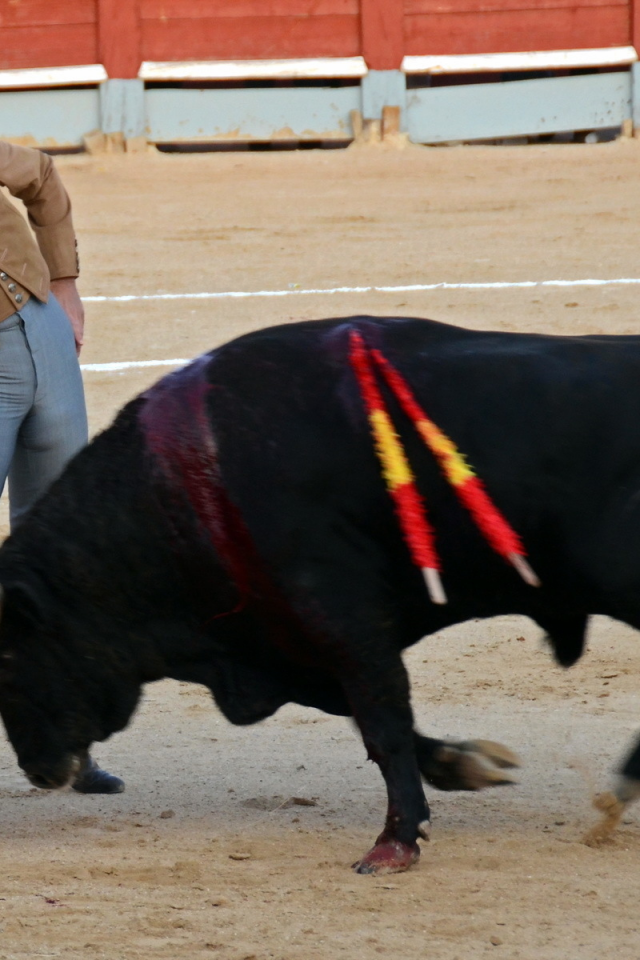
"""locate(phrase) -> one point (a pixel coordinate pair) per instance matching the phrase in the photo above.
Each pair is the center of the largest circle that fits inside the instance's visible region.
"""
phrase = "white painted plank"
(321, 68)
(52, 76)
(536, 60)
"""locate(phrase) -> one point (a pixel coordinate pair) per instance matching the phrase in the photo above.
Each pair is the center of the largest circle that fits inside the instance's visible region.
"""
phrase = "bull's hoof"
(391, 856)
(91, 779)
(471, 765)
(612, 808)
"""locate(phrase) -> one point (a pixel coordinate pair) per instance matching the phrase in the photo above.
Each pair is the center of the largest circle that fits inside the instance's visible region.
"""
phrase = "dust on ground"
(208, 854)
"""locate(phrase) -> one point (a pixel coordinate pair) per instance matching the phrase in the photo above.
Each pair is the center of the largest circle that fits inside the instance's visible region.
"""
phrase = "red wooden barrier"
(119, 37)
(249, 29)
(47, 33)
(635, 24)
(503, 26)
(382, 24)
(122, 33)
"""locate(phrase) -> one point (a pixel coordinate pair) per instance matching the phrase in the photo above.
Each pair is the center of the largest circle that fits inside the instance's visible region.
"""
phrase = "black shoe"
(91, 779)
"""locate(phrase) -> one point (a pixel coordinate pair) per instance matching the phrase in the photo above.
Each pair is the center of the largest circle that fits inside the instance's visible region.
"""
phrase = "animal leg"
(465, 765)
(613, 803)
(381, 708)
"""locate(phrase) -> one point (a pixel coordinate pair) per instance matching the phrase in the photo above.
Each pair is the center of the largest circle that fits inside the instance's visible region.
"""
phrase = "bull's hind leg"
(466, 765)
(444, 764)
(613, 803)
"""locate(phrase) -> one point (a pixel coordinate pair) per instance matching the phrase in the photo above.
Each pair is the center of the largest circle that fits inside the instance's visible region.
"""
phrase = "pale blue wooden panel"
(490, 110)
(49, 118)
(635, 94)
(250, 113)
(122, 107)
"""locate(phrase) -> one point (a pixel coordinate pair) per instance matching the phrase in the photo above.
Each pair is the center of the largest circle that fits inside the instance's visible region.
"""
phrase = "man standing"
(43, 419)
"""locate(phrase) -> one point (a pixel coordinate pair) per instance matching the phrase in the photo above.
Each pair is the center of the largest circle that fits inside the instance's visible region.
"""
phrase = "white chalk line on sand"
(129, 364)
(294, 291)
(402, 288)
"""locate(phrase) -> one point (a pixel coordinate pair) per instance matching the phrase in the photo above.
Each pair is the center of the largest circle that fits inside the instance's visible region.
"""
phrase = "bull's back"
(550, 425)
(521, 407)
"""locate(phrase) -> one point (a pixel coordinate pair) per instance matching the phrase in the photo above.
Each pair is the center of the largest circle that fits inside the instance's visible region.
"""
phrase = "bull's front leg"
(351, 626)
(613, 803)
(380, 703)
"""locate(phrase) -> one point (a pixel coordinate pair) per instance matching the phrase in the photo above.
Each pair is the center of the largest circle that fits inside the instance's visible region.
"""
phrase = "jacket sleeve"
(31, 176)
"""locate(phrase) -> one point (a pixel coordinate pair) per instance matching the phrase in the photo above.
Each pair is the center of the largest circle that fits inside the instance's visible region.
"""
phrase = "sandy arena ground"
(205, 855)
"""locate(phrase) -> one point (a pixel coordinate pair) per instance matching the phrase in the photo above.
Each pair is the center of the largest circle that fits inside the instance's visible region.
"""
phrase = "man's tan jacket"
(27, 268)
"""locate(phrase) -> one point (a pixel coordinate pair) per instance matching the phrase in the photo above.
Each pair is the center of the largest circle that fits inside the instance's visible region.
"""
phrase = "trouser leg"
(55, 428)
(17, 389)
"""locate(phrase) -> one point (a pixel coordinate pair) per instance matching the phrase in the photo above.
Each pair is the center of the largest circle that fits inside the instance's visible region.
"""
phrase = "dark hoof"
(471, 765)
(391, 856)
(91, 779)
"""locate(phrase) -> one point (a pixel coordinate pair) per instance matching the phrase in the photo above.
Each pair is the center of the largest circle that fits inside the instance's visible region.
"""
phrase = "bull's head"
(36, 702)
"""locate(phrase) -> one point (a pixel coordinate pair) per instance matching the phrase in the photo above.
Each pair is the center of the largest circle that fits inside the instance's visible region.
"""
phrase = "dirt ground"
(206, 854)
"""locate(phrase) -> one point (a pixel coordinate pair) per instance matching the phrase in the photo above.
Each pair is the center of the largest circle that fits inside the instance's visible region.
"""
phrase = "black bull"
(232, 528)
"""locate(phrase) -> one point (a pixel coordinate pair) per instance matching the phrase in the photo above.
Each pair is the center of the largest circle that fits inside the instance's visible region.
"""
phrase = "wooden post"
(391, 118)
(382, 29)
(634, 10)
(119, 44)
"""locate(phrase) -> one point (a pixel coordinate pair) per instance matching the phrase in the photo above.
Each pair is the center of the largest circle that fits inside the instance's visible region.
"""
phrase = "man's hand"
(68, 297)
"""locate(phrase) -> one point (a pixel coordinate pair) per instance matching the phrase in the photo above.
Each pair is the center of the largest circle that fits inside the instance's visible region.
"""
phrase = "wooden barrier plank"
(492, 6)
(296, 113)
(526, 30)
(587, 57)
(49, 118)
(254, 38)
(38, 13)
(73, 75)
(478, 111)
(307, 68)
(119, 38)
(382, 24)
(57, 46)
(197, 10)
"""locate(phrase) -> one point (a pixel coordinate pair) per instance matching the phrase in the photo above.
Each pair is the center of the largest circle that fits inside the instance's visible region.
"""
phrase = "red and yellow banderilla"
(400, 481)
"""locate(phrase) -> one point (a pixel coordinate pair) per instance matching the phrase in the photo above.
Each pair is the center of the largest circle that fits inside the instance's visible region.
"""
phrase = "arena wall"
(252, 70)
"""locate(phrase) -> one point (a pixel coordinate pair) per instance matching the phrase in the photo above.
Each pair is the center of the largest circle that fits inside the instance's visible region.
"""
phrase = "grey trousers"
(43, 418)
